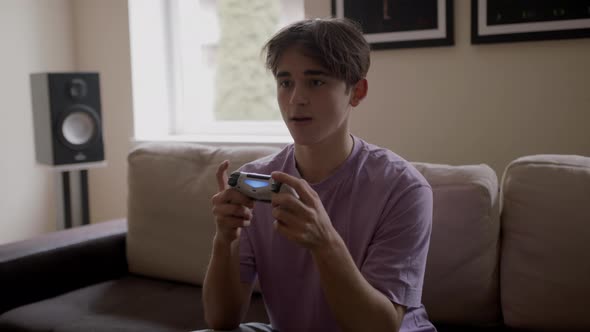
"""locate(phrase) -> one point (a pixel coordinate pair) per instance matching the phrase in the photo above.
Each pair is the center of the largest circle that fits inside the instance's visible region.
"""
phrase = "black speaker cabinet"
(67, 118)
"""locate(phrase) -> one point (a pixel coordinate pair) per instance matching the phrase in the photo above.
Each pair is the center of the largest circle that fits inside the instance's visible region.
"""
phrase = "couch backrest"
(171, 226)
(545, 268)
(461, 284)
(169, 211)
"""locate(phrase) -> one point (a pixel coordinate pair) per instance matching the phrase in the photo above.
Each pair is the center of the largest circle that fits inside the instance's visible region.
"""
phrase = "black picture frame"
(522, 20)
(415, 23)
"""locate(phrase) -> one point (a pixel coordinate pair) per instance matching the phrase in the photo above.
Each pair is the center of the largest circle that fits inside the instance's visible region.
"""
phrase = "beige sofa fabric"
(171, 226)
(545, 266)
(461, 282)
(169, 213)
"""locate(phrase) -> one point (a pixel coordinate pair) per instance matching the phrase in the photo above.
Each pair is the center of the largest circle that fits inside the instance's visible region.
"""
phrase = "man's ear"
(359, 92)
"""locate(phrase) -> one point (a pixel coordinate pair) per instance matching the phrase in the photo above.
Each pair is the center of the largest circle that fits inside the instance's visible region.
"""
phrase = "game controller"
(258, 186)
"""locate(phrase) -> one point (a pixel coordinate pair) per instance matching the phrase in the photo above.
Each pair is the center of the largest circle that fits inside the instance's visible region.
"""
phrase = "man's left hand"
(303, 220)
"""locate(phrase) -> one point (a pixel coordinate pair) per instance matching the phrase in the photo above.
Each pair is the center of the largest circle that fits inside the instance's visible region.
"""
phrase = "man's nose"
(298, 96)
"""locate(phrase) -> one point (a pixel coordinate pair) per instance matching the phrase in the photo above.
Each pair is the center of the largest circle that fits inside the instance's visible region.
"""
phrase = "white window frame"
(165, 77)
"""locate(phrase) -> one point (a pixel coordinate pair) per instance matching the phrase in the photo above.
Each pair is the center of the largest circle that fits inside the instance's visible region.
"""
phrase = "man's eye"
(284, 84)
(317, 82)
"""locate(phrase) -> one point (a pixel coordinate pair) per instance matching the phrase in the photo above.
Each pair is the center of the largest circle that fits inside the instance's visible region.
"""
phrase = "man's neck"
(317, 162)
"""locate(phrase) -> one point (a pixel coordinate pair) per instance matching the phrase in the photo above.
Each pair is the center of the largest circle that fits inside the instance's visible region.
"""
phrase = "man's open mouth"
(301, 119)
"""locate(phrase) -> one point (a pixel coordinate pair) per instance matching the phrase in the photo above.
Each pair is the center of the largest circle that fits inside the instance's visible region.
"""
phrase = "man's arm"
(356, 305)
(225, 298)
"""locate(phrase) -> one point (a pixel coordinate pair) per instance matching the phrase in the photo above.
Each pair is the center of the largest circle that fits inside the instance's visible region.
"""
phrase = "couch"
(506, 254)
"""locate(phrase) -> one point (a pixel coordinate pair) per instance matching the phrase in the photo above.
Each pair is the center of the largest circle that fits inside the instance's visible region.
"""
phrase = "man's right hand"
(225, 297)
(232, 209)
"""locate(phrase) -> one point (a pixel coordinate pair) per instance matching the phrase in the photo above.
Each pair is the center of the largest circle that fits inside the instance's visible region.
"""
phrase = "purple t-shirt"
(382, 208)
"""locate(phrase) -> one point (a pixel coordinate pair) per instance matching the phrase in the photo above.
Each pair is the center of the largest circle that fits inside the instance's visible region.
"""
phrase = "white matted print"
(495, 21)
(400, 23)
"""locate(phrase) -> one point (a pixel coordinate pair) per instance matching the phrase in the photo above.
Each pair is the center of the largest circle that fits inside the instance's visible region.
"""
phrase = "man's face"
(314, 105)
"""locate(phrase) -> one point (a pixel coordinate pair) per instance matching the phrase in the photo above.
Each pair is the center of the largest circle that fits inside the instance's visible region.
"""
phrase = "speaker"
(67, 118)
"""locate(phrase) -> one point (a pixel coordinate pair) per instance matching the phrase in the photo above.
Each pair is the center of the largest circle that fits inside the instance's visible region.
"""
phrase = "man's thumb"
(222, 175)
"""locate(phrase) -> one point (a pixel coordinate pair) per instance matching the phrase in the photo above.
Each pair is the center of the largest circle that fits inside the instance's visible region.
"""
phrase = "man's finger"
(236, 197)
(222, 176)
(287, 202)
(232, 196)
(232, 210)
(234, 222)
(300, 186)
(286, 217)
(284, 230)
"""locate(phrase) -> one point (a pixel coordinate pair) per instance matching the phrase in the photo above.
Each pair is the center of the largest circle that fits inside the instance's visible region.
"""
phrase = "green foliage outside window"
(245, 90)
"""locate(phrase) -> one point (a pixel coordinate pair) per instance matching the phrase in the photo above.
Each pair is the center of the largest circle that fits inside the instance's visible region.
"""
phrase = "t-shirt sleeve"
(247, 259)
(396, 257)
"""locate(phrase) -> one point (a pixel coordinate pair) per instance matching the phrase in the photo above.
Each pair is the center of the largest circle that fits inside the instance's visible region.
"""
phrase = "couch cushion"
(169, 210)
(129, 304)
(546, 243)
(461, 281)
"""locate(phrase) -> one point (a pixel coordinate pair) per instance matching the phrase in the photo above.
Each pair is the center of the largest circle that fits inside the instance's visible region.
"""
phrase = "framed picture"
(497, 21)
(400, 23)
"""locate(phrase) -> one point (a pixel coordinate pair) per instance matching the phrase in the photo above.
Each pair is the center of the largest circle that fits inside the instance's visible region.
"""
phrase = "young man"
(349, 254)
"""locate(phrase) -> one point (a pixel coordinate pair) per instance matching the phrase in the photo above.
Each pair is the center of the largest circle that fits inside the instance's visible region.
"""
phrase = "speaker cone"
(78, 127)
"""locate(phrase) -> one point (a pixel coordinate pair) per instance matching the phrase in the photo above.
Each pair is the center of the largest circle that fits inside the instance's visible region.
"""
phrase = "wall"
(35, 36)
(456, 105)
(476, 104)
(39, 36)
(102, 44)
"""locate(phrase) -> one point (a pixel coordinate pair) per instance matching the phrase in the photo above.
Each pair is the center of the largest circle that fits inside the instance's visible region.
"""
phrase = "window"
(198, 71)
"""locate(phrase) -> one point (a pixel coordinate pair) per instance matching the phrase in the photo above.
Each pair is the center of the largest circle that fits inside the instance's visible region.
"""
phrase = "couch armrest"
(54, 263)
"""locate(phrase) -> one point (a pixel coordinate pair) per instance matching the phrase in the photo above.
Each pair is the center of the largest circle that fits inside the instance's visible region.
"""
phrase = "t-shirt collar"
(345, 167)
